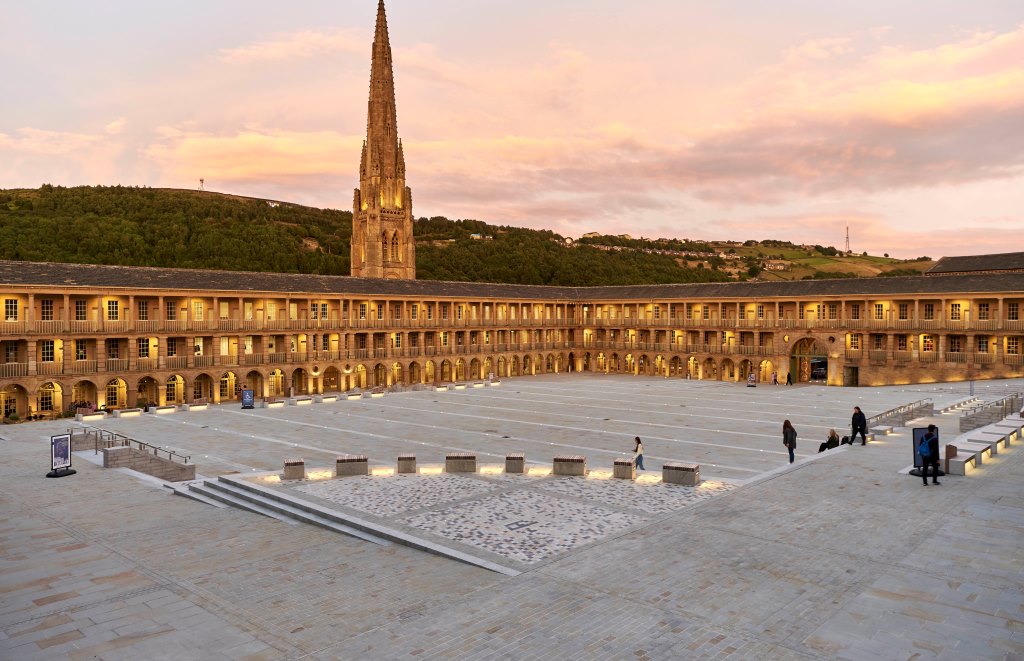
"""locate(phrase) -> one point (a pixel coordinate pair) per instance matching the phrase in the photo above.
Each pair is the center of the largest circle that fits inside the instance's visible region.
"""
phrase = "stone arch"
(397, 374)
(50, 398)
(709, 369)
(147, 392)
(728, 370)
(380, 376)
(115, 394)
(527, 365)
(693, 368)
(230, 387)
(474, 369)
(360, 380)
(415, 373)
(746, 368)
(765, 371)
(502, 367)
(174, 389)
(446, 371)
(807, 356)
(550, 364)
(83, 395)
(613, 363)
(275, 384)
(202, 387)
(14, 401)
(430, 372)
(331, 379)
(460, 370)
(675, 366)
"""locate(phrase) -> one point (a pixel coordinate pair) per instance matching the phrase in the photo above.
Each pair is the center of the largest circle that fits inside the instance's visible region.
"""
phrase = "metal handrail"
(904, 412)
(111, 439)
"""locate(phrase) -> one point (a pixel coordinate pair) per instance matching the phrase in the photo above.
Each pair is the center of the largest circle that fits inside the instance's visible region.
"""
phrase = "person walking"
(929, 451)
(860, 426)
(789, 378)
(775, 378)
(789, 439)
(638, 454)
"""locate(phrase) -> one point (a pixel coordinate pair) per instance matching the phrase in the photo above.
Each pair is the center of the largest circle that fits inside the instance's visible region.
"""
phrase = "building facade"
(113, 336)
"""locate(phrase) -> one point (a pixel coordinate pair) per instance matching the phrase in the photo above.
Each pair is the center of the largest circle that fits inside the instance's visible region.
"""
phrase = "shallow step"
(206, 489)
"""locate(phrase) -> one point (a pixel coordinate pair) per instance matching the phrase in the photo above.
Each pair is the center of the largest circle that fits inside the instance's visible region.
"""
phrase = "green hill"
(205, 230)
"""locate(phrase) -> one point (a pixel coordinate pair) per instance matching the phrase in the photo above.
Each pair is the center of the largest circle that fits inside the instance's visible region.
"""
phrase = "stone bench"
(272, 404)
(295, 469)
(303, 400)
(351, 464)
(460, 386)
(406, 464)
(356, 395)
(956, 464)
(681, 472)
(478, 385)
(127, 413)
(494, 383)
(194, 407)
(325, 399)
(881, 430)
(90, 417)
(440, 388)
(1013, 429)
(624, 469)
(569, 464)
(163, 410)
(978, 449)
(997, 439)
(515, 462)
(460, 462)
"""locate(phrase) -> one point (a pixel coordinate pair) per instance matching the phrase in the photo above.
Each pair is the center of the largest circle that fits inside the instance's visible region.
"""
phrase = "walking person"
(860, 426)
(928, 448)
(789, 378)
(789, 439)
(775, 378)
(638, 454)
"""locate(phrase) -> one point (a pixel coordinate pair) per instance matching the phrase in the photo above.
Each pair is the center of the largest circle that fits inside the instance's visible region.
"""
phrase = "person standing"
(789, 378)
(929, 451)
(789, 439)
(775, 378)
(638, 454)
(860, 426)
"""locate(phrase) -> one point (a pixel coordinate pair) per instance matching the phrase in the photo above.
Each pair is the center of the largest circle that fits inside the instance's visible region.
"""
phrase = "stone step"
(210, 490)
(183, 490)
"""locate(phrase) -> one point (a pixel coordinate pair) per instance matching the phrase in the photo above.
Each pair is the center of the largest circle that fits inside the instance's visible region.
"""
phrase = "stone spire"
(382, 239)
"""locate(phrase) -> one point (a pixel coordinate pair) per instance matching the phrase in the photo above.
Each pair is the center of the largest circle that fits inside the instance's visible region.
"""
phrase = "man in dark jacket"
(860, 426)
(929, 451)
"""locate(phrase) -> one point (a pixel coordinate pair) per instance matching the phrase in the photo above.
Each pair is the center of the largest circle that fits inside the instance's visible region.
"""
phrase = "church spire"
(382, 239)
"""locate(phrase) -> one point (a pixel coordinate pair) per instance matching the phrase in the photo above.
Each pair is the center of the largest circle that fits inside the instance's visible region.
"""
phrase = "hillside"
(205, 230)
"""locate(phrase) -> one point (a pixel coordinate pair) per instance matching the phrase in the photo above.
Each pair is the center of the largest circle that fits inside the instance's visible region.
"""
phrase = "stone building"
(109, 336)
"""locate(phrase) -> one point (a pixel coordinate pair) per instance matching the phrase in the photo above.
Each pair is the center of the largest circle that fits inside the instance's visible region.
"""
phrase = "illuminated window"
(314, 311)
(879, 311)
(112, 393)
(362, 310)
(197, 310)
(171, 391)
(10, 309)
(80, 311)
(954, 311)
(46, 398)
(982, 344)
(396, 340)
(46, 309)
(927, 343)
(657, 312)
(983, 311)
(323, 311)
(855, 341)
(143, 347)
(444, 338)
(113, 310)
(1013, 345)
(46, 351)
(81, 350)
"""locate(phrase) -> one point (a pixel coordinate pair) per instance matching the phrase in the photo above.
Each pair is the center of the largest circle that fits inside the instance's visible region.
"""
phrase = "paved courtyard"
(836, 556)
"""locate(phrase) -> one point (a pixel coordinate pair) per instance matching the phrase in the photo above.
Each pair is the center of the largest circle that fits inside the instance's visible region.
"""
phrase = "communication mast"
(203, 181)
(847, 238)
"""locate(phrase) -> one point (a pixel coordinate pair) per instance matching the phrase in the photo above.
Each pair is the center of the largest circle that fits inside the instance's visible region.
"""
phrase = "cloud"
(295, 45)
(116, 126)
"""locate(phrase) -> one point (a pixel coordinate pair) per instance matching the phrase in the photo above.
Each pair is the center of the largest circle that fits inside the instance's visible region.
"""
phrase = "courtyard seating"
(295, 469)
(460, 462)
(352, 464)
(624, 469)
(570, 464)
(684, 473)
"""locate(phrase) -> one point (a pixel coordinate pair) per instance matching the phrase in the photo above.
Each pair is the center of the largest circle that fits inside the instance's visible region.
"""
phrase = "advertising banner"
(60, 452)
(919, 433)
(248, 399)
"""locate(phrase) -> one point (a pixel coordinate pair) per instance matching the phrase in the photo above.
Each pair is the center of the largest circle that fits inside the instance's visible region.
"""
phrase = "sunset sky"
(732, 119)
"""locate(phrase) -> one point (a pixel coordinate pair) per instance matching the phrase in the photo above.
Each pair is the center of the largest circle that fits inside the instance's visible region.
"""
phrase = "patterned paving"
(651, 497)
(395, 494)
(523, 525)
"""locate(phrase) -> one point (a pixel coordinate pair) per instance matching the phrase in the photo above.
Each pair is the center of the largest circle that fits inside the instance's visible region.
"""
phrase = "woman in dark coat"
(860, 426)
(789, 439)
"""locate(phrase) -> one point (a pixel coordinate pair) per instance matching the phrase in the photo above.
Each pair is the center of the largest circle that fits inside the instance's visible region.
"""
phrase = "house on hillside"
(776, 265)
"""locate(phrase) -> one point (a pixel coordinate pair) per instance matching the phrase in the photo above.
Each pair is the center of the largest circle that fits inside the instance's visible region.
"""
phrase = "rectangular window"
(444, 311)
(706, 312)
(819, 311)
(983, 311)
(325, 343)
(956, 344)
(878, 342)
(380, 311)
(46, 351)
(323, 311)
(430, 313)
(113, 349)
(458, 312)
(760, 311)
(855, 311)
(487, 337)
(413, 312)
(982, 344)
(172, 347)
(879, 312)
(362, 310)
(45, 399)
(444, 338)
(113, 310)
(927, 343)
(81, 352)
(929, 311)
(10, 352)
(171, 391)
(657, 312)
(198, 309)
(954, 311)
(143, 347)
(396, 340)
(398, 312)
(901, 342)
(143, 310)
(855, 341)
(46, 309)
(10, 309)
(903, 311)
(80, 311)
(833, 311)
(1013, 311)
(1013, 345)
(171, 308)
(314, 309)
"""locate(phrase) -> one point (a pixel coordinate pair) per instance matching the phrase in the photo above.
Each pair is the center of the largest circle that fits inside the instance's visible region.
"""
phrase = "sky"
(902, 120)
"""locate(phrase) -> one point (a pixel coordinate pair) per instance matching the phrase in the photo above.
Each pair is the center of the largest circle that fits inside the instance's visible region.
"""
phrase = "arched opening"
(14, 399)
(502, 367)
(83, 396)
(460, 370)
(397, 374)
(693, 368)
(429, 372)
(808, 362)
(395, 252)
(746, 369)
(299, 382)
(765, 371)
(332, 380)
(728, 370)
(660, 366)
(527, 366)
(147, 392)
(275, 384)
(115, 394)
(415, 373)
(630, 363)
(474, 369)
(202, 388)
(230, 387)
(549, 363)
(380, 375)
(174, 390)
(487, 369)
(613, 363)
(709, 370)
(360, 379)
(446, 371)
(49, 398)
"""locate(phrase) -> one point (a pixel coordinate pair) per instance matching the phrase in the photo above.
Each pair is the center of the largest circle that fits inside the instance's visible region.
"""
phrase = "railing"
(177, 362)
(108, 439)
(899, 416)
(49, 368)
(13, 369)
(989, 412)
(84, 367)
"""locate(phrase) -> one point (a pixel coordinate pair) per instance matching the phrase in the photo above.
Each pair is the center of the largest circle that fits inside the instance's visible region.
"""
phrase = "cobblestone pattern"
(650, 497)
(387, 496)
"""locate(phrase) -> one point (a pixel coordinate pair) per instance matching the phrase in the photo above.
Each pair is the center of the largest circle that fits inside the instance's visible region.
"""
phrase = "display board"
(60, 452)
(248, 399)
(919, 433)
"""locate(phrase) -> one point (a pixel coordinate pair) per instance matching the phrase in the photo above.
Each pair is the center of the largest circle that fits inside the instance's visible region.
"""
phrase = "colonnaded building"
(114, 337)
